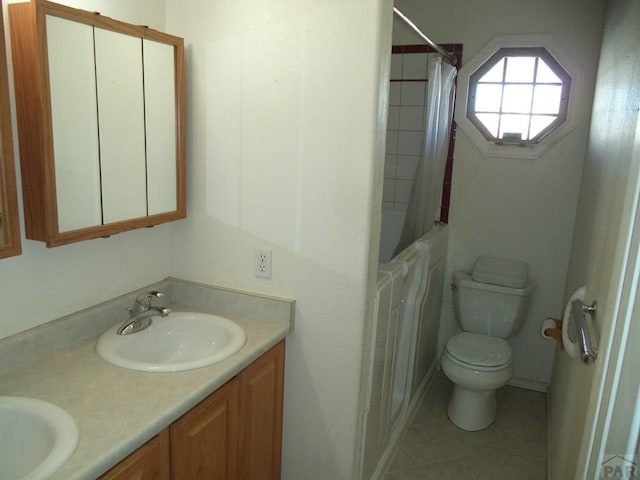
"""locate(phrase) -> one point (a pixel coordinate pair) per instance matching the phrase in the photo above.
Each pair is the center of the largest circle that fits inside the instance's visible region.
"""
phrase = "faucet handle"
(145, 299)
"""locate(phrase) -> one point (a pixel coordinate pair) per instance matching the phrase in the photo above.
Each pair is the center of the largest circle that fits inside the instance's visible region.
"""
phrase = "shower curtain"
(426, 190)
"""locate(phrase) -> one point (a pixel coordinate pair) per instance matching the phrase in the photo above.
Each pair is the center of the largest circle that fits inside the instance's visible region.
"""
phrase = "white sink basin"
(36, 438)
(180, 341)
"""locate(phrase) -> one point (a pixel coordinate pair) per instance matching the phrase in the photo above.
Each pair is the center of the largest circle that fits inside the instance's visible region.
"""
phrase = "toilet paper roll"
(547, 323)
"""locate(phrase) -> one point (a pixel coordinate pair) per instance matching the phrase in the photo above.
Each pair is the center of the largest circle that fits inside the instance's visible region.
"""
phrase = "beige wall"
(518, 208)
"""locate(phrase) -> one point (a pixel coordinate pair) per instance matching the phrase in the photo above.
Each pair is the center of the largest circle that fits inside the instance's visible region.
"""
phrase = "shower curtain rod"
(448, 56)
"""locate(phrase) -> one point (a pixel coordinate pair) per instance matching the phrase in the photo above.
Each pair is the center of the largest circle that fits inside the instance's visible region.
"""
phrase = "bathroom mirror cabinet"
(9, 229)
(100, 108)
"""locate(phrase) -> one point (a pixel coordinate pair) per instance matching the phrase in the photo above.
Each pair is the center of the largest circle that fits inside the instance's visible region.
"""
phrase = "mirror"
(9, 229)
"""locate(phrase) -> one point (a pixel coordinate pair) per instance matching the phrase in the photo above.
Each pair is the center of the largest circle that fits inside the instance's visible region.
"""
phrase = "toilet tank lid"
(500, 271)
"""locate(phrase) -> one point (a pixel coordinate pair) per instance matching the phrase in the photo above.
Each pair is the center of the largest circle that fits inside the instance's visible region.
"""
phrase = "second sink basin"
(36, 438)
(180, 341)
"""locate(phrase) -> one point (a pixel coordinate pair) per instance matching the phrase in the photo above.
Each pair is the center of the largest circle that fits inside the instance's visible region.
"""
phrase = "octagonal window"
(518, 96)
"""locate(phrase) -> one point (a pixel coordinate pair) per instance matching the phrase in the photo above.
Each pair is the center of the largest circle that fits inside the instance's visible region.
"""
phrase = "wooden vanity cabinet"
(100, 110)
(204, 442)
(235, 433)
(261, 400)
(149, 462)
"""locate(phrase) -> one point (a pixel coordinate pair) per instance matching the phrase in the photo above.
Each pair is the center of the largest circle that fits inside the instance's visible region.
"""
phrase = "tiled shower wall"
(406, 125)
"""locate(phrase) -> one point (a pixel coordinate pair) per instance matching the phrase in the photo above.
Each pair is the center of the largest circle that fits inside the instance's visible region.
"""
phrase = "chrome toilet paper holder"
(582, 317)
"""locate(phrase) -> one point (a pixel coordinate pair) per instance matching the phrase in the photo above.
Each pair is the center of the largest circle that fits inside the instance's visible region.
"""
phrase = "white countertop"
(117, 410)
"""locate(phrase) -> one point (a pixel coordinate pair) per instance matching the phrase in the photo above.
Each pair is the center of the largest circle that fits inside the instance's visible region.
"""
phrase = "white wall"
(517, 208)
(602, 229)
(285, 145)
(43, 284)
(141, 12)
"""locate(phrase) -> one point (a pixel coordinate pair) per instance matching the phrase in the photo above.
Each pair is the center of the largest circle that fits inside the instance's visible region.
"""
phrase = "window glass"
(546, 99)
(488, 98)
(545, 74)
(539, 123)
(490, 121)
(520, 69)
(514, 124)
(496, 74)
(517, 98)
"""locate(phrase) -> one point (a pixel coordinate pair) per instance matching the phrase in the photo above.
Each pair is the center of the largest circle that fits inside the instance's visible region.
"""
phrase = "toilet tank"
(489, 309)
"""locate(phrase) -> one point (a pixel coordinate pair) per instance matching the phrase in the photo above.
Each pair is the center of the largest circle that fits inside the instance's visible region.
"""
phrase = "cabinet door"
(74, 123)
(204, 442)
(121, 123)
(149, 462)
(261, 391)
(161, 126)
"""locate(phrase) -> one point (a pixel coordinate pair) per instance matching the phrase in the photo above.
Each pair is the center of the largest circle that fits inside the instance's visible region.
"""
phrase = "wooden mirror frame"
(8, 192)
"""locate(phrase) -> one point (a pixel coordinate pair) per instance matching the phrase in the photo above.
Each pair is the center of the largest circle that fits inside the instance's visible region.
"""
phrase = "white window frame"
(518, 150)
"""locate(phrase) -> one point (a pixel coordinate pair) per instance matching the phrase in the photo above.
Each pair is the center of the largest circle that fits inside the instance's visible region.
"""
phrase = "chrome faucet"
(142, 312)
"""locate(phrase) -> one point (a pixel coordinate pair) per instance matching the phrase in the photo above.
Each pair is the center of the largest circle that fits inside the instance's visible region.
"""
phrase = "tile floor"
(513, 448)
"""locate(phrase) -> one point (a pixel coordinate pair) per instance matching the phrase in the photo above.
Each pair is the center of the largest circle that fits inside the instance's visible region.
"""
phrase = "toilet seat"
(479, 352)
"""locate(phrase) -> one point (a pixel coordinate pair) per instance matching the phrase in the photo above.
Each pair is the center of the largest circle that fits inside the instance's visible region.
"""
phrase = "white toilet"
(490, 304)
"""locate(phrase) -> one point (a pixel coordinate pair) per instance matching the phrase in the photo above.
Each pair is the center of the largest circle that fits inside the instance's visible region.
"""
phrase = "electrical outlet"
(262, 264)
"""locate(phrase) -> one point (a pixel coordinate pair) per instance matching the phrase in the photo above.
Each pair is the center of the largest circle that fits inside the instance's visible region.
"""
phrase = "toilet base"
(472, 410)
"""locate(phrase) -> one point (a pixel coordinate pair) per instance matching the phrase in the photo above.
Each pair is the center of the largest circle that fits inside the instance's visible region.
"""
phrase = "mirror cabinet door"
(161, 126)
(9, 229)
(121, 120)
(74, 123)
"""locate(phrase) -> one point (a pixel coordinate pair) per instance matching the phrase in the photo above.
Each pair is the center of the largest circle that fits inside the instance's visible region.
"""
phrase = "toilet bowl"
(477, 365)
(490, 304)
